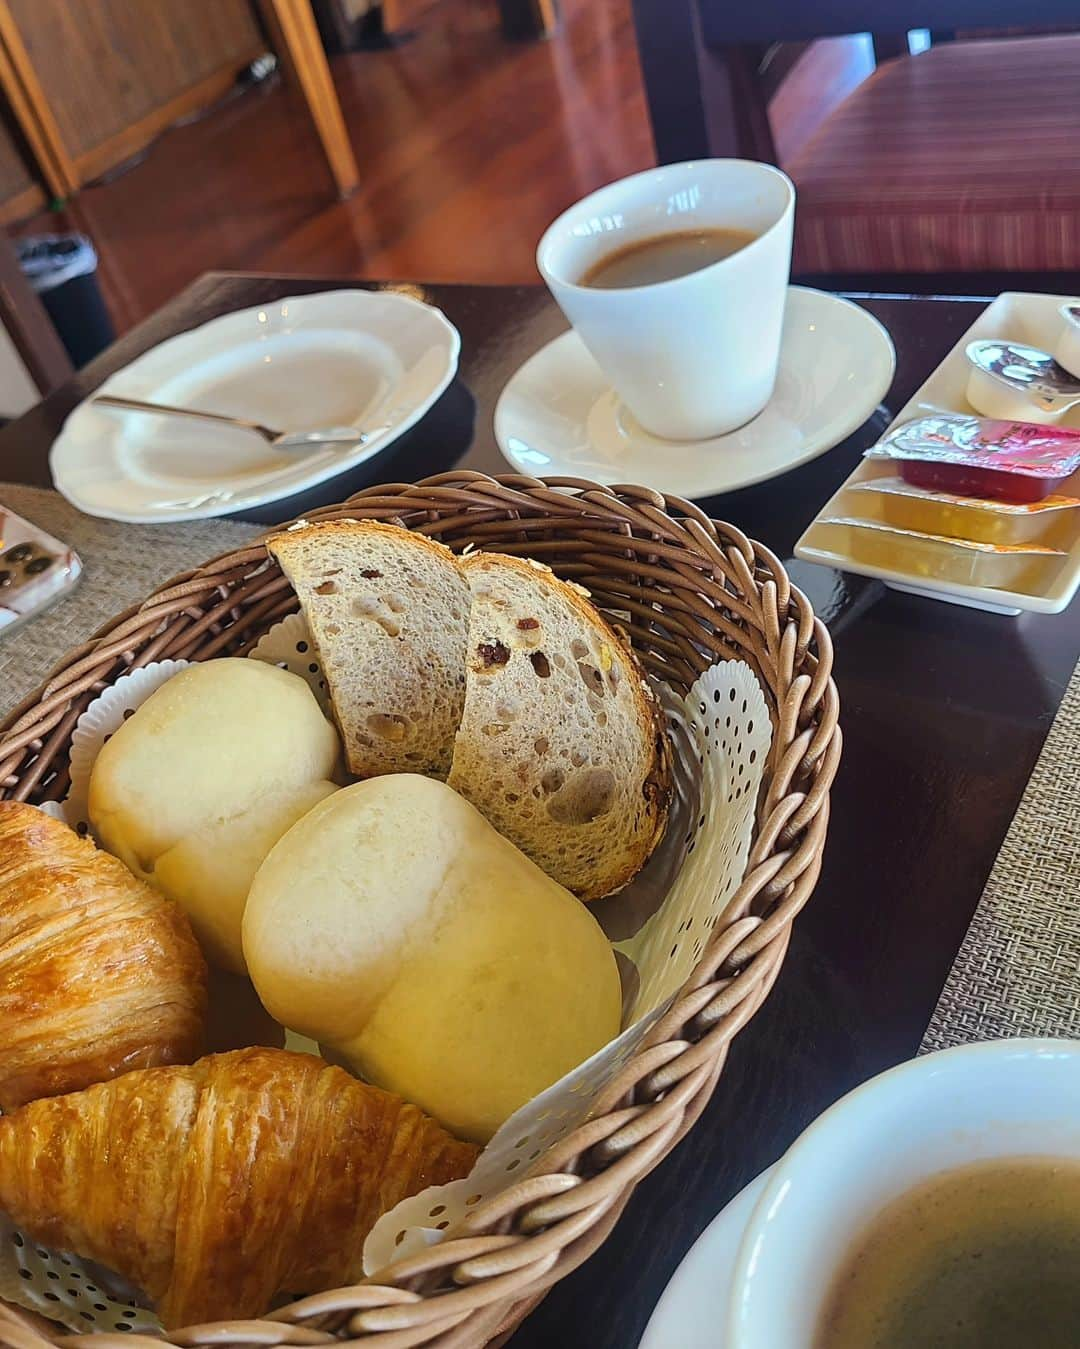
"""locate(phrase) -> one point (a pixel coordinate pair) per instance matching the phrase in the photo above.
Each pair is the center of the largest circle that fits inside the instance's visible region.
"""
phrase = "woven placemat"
(1018, 970)
(122, 562)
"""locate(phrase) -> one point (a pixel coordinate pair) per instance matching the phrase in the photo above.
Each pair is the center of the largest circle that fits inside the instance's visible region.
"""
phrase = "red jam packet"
(977, 457)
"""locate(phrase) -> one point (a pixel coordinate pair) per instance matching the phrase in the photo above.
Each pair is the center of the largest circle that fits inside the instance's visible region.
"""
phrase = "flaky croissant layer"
(99, 974)
(218, 1187)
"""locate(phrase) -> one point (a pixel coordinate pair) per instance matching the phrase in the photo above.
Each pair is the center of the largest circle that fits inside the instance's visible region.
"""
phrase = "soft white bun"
(210, 871)
(395, 925)
(197, 785)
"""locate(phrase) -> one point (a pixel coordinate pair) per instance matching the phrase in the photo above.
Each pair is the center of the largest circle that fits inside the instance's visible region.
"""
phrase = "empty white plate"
(559, 416)
(693, 1308)
(376, 360)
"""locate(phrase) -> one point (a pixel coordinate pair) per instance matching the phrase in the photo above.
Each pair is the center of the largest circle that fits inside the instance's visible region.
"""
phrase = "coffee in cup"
(676, 279)
(984, 1136)
(664, 257)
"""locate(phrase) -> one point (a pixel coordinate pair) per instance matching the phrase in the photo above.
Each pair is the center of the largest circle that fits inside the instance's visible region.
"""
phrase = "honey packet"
(995, 566)
(893, 501)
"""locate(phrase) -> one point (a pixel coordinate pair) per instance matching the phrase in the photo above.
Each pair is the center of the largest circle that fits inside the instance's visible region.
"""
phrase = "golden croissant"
(99, 973)
(217, 1187)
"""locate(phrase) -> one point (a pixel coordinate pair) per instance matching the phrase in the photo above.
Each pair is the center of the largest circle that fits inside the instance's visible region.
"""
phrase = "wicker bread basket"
(695, 591)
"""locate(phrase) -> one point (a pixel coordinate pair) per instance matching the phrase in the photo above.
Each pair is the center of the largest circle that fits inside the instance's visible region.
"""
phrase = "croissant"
(216, 1187)
(99, 973)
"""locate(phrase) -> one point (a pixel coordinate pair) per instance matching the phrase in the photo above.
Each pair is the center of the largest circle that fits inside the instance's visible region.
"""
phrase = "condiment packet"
(967, 545)
(973, 456)
(892, 501)
(1014, 509)
(1010, 379)
(969, 562)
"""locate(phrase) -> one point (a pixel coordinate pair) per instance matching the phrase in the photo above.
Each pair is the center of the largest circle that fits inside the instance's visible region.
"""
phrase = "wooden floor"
(468, 147)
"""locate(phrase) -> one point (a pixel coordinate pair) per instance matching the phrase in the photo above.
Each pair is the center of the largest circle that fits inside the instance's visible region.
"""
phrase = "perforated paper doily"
(289, 645)
(720, 735)
(75, 1292)
(729, 728)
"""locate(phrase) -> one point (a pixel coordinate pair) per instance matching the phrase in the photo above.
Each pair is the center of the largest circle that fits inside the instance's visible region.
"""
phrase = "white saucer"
(559, 416)
(376, 360)
(693, 1308)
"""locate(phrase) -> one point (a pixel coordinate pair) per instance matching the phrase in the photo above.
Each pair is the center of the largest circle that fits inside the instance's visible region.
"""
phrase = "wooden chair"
(963, 159)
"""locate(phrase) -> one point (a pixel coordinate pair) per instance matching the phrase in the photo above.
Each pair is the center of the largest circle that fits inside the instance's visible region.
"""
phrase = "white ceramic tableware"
(559, 415)
(694, 357)
(1006, 1098)
(1067, 351)
(693, 1307)
(374, 360)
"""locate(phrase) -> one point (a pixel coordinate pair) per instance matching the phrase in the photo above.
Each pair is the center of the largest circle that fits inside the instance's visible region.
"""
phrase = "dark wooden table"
(944, 711)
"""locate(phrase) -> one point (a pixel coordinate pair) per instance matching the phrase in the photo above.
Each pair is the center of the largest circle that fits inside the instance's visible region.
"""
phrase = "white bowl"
(978, 1102)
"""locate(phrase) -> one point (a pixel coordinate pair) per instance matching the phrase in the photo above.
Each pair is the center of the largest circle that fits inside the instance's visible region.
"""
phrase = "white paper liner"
(289, 645)
(727, 720)
(74, 1292)
(720, 733)
(105, 715)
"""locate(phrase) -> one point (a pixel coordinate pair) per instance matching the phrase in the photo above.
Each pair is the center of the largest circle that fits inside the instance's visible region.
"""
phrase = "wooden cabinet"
(100, 78)
(20, 191)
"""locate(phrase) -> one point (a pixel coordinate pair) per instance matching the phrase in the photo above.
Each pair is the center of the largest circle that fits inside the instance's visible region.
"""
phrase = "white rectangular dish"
(1018, 317)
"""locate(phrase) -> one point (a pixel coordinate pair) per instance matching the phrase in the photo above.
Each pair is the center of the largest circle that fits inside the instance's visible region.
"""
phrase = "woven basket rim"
(695, 590)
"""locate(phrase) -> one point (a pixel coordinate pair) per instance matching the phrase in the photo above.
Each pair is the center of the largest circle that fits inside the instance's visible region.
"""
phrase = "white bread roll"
(209, 872)
(393, 924)
(211, 769)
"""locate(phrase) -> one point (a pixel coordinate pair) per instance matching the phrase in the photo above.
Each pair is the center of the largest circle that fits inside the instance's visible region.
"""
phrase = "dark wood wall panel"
(21, 193)
(15, 173)
(107, 66)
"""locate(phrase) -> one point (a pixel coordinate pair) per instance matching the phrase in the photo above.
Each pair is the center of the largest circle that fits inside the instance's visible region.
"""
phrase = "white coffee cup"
(1003, 1098)
(696, 356)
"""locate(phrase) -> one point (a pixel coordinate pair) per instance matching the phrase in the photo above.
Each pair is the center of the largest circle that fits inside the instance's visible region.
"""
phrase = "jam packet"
(977, 457)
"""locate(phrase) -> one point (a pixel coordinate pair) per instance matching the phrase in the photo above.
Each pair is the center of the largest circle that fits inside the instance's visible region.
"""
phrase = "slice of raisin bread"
(388, 611)
(561, 744)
